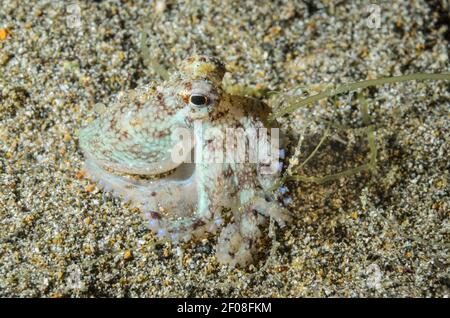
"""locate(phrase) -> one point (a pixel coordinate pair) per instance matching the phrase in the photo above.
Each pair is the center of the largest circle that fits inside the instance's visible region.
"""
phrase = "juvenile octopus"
(129, 151)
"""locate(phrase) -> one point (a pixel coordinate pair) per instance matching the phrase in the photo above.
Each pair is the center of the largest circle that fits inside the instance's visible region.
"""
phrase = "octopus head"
(136, 137)
(201, 90)
(203, 67)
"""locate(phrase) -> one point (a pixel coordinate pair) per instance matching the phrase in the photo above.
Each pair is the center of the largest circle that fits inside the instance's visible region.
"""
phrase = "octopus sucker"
(131, 151)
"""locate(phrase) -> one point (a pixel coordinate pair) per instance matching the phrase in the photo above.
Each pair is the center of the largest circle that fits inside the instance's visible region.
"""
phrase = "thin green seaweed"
(294, 104)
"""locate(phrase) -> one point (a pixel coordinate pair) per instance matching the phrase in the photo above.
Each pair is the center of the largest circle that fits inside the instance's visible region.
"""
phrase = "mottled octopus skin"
(184, 201)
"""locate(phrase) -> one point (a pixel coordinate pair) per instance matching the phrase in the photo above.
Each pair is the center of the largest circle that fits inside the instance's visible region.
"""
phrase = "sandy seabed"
(384, 233)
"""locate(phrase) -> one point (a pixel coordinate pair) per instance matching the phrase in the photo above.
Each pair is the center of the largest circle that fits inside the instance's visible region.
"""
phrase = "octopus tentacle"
(169, 205)
(271, 209)
(236, 244)
(181, 229)
(177, 195)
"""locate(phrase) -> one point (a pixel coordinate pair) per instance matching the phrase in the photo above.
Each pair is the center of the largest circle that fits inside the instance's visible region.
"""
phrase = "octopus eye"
(198, 100)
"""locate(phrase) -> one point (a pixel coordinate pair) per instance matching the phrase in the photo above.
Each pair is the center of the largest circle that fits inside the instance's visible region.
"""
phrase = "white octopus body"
(184, 201)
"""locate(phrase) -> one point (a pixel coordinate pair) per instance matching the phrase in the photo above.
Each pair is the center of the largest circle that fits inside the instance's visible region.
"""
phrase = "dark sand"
(375, 234)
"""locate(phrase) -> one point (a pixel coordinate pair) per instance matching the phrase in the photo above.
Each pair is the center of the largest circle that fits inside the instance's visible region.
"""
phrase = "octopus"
(132, 150)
